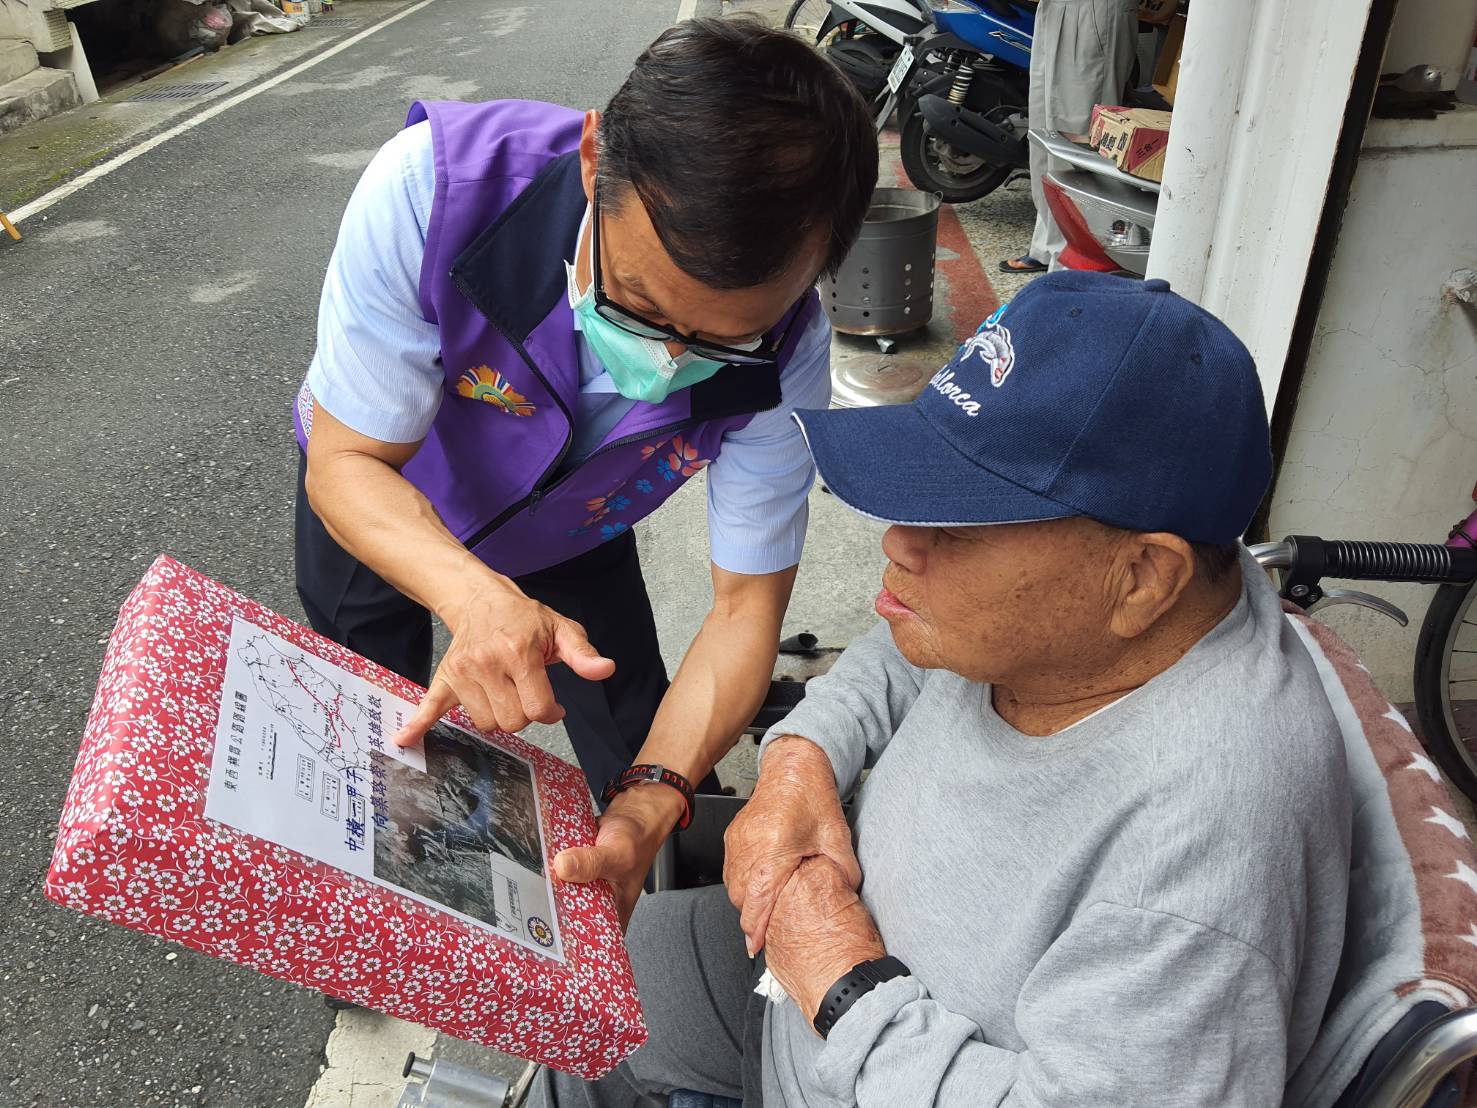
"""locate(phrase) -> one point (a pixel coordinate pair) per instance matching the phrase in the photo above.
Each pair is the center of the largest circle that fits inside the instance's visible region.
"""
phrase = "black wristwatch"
(862, 979)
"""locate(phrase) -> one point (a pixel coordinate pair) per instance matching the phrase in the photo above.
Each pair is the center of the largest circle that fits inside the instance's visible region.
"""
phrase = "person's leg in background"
(696, 985)
(1046, 239)
(1081, 55)
(607, 721)
(350, 604)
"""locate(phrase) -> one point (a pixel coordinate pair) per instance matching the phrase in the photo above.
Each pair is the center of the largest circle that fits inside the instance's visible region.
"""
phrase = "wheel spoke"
(808, 23)
(1452, 720)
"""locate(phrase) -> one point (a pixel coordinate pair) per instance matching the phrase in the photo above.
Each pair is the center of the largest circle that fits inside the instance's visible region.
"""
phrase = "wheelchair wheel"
(1446, 684)
(806, 17)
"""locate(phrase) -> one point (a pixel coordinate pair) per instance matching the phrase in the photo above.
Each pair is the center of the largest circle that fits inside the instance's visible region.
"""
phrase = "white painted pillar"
(1212, 67)
(1262, 90)
(74, 58)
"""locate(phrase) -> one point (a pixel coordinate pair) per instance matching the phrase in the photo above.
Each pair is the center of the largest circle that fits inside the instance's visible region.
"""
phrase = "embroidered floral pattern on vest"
(610, 502)
(602, 506)
(484, 383)
(683, 461)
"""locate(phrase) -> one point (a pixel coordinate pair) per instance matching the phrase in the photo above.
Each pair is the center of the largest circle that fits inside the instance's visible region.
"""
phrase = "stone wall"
(16, 19)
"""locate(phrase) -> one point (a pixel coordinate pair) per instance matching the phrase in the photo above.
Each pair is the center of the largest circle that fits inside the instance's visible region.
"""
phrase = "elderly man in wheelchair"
(1122, 831)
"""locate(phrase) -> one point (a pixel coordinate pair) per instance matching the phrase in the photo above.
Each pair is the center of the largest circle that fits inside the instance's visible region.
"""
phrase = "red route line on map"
(329, 713)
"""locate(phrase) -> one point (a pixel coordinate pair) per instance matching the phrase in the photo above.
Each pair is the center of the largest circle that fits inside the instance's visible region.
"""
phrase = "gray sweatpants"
(705, 1024)
(1081, 56)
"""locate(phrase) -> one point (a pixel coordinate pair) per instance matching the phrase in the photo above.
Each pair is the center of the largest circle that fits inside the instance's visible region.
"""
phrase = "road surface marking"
(225, 288)
(97, 172)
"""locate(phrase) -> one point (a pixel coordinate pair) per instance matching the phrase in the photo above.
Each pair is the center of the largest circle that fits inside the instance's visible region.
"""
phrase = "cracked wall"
(1384, 441)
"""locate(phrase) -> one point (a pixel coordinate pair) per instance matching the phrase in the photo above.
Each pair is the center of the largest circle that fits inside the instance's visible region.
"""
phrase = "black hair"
(743, 143)
(1214, 561)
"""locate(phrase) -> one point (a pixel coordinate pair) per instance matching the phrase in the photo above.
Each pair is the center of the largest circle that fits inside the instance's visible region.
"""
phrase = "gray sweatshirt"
(1145, 908)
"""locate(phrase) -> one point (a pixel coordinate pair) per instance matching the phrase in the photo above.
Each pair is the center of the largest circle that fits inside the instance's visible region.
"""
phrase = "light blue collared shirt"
(378, 370)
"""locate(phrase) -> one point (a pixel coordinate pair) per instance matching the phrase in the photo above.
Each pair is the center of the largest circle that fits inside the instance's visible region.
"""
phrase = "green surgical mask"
(641, 368)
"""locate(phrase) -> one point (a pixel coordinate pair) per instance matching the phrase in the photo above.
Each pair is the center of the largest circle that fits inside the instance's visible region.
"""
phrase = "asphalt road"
(152, 336)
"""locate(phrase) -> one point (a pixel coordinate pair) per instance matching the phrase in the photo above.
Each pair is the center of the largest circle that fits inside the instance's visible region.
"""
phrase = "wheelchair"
(1413, 1066)
(1419, 1059)
(1414, 1048)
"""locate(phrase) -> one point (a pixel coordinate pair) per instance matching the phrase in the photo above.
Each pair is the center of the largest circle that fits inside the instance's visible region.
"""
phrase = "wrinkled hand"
(496, 666)
(794, 814)
(820, 929)
(631, 831)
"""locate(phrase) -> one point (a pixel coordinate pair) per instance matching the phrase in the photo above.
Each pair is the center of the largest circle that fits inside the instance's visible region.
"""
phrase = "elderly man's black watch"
(855, 984)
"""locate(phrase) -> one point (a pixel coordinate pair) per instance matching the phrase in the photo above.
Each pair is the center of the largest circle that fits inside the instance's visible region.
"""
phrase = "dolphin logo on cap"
(992, 343)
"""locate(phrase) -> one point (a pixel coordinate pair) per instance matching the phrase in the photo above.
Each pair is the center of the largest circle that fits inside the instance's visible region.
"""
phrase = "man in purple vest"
(536, 325)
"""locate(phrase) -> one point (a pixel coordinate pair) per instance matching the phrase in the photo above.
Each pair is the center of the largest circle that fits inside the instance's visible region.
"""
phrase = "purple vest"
(505, 216)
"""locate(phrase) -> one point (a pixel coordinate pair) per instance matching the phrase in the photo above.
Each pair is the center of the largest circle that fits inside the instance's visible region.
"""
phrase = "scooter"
(1105, 215)
(962, 103)
(861, 37)
(955, 71)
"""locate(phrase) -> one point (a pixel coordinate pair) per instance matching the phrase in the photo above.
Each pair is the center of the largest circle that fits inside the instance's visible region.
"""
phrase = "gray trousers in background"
(705, 1024)
(1082, 55)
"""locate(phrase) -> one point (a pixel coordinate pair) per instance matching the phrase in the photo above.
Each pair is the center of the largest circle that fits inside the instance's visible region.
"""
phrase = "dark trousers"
(705, 1025)
(603, 590)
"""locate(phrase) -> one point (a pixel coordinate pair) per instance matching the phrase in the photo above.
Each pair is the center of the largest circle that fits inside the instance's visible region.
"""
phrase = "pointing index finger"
(440, 698)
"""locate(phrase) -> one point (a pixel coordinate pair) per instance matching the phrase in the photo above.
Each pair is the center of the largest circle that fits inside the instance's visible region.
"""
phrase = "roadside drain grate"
(179, 92)
(334, 23)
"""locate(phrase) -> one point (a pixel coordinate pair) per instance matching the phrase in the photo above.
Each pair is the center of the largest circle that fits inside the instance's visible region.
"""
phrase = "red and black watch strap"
(651, 774)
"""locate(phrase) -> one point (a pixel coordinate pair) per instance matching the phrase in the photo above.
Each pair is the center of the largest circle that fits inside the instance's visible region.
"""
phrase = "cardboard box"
(135, 847)
(1133, 139)
(1097, 112)
(1167, 68)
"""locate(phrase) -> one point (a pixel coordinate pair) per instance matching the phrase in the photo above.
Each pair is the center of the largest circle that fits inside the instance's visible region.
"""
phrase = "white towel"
(770, 989)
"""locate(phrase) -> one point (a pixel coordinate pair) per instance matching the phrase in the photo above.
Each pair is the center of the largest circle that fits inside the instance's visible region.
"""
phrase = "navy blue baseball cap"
(1088, 395)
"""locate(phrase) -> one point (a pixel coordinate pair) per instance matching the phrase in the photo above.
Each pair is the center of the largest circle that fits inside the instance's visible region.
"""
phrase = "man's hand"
(794, 814)
(819, 930)
(632, 830)
(501, 644)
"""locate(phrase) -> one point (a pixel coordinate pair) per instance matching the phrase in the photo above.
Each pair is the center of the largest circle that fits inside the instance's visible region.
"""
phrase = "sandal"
(1024, 264)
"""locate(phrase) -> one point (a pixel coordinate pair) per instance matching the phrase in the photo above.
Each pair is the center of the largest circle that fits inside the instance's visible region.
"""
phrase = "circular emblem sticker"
(540, 932)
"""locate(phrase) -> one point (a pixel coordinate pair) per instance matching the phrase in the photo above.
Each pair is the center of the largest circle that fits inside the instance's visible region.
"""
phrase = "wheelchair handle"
(1399, 561)
(1411, 1077)
(1311, 558)
(1302, 561)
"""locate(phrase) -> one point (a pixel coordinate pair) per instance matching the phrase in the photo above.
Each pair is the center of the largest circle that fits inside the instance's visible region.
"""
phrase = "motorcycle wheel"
(936, 166)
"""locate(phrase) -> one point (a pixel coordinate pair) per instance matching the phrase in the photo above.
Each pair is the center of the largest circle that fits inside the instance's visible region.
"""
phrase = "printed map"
(324, 716)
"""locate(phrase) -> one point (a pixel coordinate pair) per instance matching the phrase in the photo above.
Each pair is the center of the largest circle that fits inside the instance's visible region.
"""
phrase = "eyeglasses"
(627, 320)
